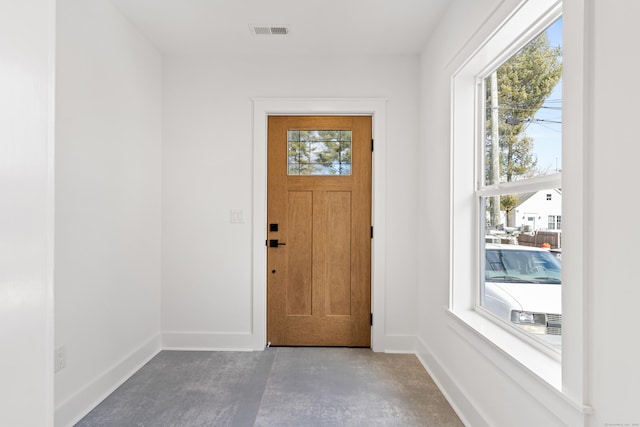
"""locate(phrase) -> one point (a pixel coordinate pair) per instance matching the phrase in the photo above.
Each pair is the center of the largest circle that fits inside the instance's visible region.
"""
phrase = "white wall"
(109, 203)
(26, 212)
(108, 200)
(452, 362)
(207, 170)
(613, 347)
(600, 354)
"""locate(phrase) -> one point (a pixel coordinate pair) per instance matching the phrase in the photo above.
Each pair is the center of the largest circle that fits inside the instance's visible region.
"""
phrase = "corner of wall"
(459, 401)
(84, 400)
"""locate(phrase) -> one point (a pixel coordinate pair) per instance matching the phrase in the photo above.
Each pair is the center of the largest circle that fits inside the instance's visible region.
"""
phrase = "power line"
(517, 120)
(520, 108)
(549, 127)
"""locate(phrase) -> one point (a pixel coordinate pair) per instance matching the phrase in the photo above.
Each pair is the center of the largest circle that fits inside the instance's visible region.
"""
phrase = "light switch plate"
(237, 216)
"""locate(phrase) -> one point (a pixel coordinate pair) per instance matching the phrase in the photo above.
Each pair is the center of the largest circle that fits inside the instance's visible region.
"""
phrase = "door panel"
(298, 295)
(319, 277)
(338, 257)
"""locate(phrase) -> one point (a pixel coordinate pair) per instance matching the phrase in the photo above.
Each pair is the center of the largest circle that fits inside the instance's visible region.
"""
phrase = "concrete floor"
(284, 386)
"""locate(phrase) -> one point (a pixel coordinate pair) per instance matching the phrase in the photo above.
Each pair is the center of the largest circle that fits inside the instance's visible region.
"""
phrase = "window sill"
(529, 367)
(524, 357)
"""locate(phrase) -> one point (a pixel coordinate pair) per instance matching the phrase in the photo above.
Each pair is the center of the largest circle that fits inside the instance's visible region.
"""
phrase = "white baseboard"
(84, 400)
(466, 411)
(211, 341)
(405, 344)
(207, 341)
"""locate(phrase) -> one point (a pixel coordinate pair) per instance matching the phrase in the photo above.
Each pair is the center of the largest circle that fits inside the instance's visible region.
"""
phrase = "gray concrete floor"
(285, 386)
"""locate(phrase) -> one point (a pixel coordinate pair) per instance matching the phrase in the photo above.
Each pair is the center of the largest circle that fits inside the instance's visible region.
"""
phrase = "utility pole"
(494, 203)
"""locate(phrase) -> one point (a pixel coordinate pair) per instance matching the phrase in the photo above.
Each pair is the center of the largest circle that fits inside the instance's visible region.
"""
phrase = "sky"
(547, 134)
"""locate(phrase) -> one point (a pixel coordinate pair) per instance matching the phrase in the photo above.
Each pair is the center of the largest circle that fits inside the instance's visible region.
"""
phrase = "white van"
(523, 286)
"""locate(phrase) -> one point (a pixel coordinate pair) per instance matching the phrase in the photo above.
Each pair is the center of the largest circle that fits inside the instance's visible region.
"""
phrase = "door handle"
(273, 243)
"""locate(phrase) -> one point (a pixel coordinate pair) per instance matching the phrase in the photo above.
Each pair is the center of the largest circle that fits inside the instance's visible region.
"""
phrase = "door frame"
(262, 109)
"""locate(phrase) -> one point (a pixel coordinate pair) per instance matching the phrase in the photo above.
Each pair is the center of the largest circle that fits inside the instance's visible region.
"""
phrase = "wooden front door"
(319, 231)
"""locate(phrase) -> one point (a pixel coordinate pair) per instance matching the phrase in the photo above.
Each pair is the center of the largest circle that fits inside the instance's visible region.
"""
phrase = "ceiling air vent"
(269, 30)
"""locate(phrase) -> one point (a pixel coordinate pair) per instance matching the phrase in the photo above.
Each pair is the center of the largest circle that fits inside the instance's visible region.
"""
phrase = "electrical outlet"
(60, 358)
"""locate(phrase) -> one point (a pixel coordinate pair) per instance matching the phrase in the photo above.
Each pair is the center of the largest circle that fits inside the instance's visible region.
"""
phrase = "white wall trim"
(207, 341)
(50, 213)
(262, 108)
(400, 344)
(71, 410)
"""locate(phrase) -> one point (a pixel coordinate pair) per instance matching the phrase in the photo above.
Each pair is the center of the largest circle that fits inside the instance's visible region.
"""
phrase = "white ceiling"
(316, 26)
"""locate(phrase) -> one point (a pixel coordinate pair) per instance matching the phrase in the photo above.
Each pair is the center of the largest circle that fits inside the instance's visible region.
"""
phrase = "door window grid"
(319, 152)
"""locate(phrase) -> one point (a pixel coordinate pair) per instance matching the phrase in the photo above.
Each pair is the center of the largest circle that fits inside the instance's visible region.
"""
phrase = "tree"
(524, 82)
(319, 152)
(336, 154)
(300, 161)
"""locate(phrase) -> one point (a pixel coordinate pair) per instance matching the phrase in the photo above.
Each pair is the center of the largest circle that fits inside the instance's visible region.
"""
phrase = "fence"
(553, 238)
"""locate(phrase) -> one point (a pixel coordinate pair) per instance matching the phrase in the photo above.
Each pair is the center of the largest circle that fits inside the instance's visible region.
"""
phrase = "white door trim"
(262, 109)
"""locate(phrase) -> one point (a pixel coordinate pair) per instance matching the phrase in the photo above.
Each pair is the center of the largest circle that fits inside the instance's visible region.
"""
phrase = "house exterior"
(539, 211)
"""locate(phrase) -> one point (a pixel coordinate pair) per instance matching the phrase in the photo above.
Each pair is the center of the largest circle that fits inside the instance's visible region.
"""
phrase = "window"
(555, 222)
(518, 353)
(319, 152)
(498, 192)
(521, 146)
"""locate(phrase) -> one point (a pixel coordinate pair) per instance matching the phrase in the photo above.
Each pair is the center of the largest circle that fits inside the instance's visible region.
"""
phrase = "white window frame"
(522, 25)
(558, 384)
(536, 184)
